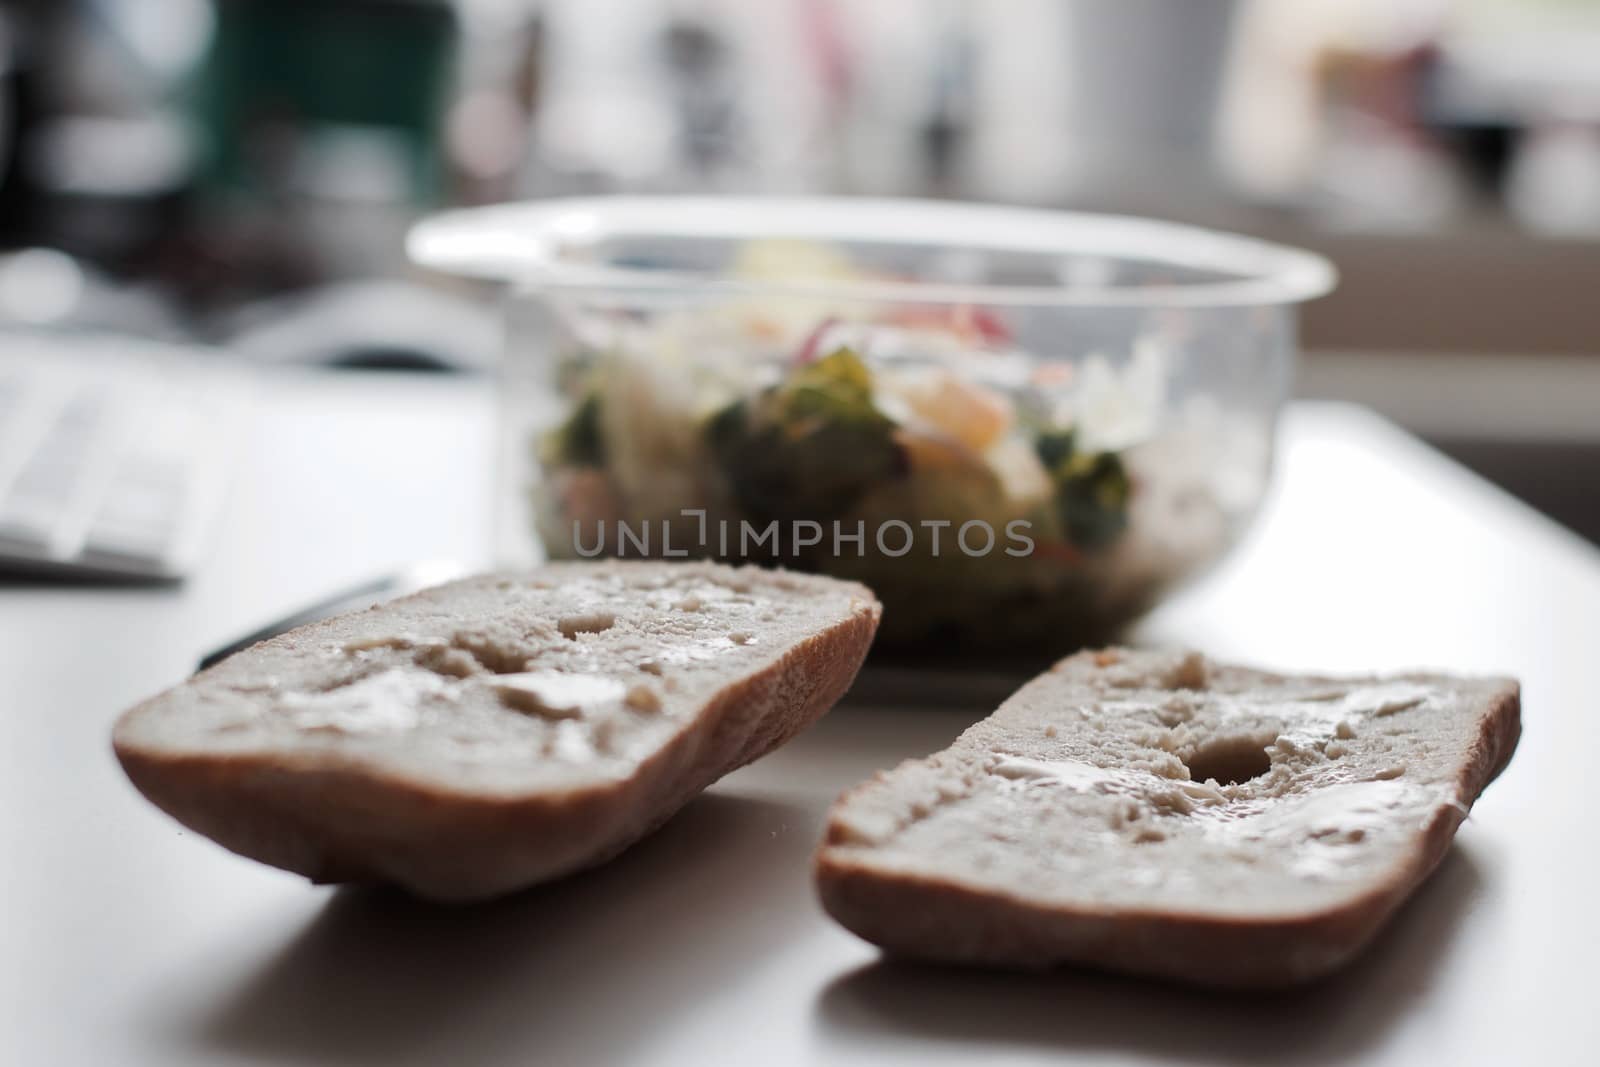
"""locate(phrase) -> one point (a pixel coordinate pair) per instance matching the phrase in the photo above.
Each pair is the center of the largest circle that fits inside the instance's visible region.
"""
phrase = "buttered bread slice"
(1155, 813)
(499, 731)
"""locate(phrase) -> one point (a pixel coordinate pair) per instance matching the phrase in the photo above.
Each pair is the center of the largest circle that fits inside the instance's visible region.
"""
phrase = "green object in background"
(808, 448)
(579, 441)
(281, 72)
(1092, 489)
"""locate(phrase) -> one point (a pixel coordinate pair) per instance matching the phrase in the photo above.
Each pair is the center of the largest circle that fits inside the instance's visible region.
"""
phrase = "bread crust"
(345, 822)
(942, 919)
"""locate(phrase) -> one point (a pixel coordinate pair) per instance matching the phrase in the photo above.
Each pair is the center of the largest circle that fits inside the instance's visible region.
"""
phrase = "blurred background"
(242, 172)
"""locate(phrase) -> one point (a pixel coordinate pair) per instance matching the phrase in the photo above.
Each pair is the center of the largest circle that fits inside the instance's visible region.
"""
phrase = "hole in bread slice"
(1229, 760)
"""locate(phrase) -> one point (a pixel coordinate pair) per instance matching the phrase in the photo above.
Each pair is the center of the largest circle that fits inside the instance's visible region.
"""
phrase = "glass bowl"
(1020, 428)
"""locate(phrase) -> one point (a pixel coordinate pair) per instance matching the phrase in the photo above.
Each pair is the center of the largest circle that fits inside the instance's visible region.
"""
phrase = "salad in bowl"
(1005, 467)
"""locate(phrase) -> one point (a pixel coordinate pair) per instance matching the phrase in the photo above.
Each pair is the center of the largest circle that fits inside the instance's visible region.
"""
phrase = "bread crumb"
(501, 657)
(1390, 707)
(1334, 750)
(1189, 673)
(1172, 800)
(573, 625)
(642, 698)
(372, 644)
(1176, 709)
(1162, 765)
(442, 659)
(690, 603)
(1394, 771)
(1050, 730)
(1207, 792)
(1344, 731)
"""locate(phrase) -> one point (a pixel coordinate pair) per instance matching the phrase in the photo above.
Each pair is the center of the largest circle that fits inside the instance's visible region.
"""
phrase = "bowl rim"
(537, 244)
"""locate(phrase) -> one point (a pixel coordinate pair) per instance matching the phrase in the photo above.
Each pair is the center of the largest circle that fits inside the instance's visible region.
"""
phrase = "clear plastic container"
(1021, 428)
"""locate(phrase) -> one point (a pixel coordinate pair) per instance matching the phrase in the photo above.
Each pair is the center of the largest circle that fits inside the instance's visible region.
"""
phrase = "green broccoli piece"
(808, 447)
(1091, 489)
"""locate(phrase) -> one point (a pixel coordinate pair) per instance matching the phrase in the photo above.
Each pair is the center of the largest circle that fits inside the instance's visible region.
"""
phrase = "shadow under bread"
(382, 978)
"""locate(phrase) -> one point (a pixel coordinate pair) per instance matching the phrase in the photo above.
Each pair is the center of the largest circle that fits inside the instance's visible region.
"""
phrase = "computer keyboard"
(114, 453)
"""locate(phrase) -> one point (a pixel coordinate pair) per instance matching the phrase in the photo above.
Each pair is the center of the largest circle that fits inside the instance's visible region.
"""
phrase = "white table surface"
(128, 941)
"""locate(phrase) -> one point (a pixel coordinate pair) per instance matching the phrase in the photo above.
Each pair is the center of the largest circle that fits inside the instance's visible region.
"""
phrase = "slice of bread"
(499, 731)
(1156, 814)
